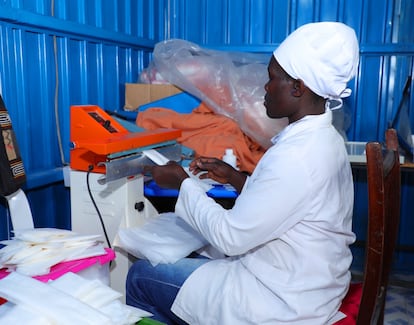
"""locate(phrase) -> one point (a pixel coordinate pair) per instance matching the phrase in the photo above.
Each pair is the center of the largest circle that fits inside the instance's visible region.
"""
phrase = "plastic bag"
(164, 239)
(230, 83)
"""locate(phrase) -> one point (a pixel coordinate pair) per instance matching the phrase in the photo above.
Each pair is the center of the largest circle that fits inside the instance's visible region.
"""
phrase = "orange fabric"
(207, 133)
(350, 305)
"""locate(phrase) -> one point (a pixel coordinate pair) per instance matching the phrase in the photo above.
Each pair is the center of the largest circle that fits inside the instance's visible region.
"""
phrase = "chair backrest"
(384, 192)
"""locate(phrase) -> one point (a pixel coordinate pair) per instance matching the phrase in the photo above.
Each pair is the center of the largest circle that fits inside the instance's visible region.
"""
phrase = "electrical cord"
(90, 168)
(56, 97)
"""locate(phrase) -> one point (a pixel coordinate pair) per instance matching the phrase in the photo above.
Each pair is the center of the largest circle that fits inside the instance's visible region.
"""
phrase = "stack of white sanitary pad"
(71, 298)
(32, 252)
(67, 300)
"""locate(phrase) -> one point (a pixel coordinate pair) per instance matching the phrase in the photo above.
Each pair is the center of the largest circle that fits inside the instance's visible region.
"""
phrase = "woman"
(287, 237)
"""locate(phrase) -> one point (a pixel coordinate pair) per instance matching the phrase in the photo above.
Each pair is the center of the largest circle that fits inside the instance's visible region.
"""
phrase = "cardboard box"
(139, 94)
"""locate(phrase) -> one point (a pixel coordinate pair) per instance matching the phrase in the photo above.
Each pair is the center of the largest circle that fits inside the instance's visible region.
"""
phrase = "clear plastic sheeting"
(230, 83)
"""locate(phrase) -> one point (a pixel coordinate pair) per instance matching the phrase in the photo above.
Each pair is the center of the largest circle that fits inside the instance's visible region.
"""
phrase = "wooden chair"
(364, 303)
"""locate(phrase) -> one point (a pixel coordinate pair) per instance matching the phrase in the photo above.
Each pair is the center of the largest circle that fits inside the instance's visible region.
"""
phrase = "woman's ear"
(298, 88)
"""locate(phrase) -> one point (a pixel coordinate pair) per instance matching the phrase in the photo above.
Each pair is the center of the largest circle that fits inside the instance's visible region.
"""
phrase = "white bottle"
(230, 158)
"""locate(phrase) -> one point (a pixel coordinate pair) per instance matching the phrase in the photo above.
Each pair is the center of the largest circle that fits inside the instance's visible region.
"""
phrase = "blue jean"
(155, 288)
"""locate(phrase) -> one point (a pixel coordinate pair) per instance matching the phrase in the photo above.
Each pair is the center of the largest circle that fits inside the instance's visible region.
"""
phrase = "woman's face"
(278, 98)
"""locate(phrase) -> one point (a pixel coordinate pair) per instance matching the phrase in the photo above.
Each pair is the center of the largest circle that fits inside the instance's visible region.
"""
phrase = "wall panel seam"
(60, 27)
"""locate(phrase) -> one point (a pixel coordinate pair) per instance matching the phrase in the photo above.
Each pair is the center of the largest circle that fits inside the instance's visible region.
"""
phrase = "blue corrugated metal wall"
(55, 54)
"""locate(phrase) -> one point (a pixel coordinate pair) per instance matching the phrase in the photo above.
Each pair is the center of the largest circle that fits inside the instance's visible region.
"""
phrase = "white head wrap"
(325, 56)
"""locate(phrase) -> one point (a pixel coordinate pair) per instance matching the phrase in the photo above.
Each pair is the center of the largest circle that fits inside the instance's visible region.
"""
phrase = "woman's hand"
(217, 170)
(170, 175)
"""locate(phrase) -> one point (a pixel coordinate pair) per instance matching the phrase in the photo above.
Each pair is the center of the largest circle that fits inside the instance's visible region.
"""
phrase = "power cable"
(96, 207)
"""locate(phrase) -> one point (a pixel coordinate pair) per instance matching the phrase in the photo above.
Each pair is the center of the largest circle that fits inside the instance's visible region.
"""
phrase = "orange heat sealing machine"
(102, 144)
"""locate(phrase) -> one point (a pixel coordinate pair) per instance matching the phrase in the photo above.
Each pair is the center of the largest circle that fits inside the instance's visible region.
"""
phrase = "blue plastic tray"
(218, 191)
(181, 103)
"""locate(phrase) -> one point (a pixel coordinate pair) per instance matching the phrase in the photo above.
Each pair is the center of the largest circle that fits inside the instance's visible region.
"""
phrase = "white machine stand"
(121, 203)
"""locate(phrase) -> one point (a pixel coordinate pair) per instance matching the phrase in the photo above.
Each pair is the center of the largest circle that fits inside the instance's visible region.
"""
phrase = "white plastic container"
(230, 158)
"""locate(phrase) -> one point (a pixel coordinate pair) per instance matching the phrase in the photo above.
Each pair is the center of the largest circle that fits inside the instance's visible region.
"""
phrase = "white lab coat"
(287, 236)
